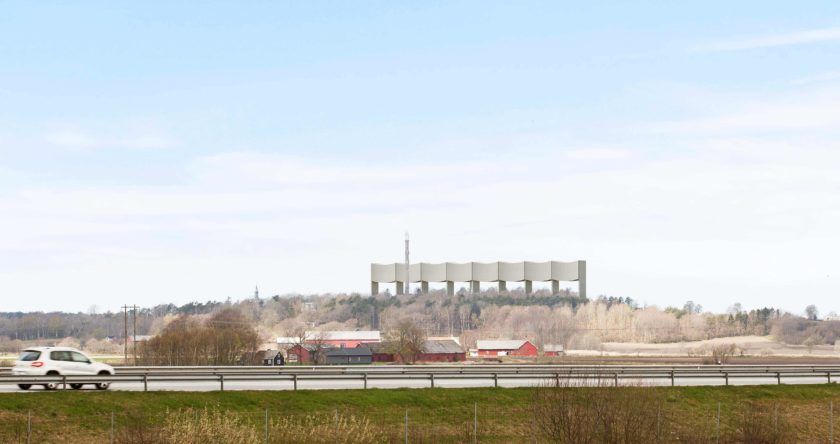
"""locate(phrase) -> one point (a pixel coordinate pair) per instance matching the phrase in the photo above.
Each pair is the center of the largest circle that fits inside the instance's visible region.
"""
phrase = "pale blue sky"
(168, 152)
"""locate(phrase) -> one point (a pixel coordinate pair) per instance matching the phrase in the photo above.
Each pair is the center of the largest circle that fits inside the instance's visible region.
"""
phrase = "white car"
(59, 361)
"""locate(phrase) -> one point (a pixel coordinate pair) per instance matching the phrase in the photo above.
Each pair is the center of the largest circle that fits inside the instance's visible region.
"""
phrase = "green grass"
(504, 414)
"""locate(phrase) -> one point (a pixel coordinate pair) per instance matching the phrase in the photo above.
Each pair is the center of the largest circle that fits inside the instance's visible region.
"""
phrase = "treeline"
(565, 319)
(225, 338)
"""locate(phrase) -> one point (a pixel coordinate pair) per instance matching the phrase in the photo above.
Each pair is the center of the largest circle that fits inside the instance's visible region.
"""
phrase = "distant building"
(505, 347)
(345, 339)
(349, 356)
(434, 350)
(445, 350)
(273, 357)
(300, 354)
(553, 350)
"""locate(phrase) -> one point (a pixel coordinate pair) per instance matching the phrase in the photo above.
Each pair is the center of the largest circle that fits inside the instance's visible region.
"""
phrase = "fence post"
(29, 427)
(266, 426)
(475, 422)
(406, 426)
(112, 427)
(717, 424)
(658, 419)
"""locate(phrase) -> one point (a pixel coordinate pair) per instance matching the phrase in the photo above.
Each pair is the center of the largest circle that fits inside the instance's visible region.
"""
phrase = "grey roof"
(501, 344)
(356, 351)
(442, 346)
(377, 347)
(270, 354)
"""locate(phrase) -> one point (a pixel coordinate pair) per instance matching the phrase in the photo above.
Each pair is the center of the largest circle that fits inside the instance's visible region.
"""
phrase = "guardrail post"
(828, 375)
(557, 379)
(779, 378)
(365, 377)
(495, 379)
(726, 377)
(63, 382)
(145, 382)
(294, 380)
(222, 382)
(615, 375)
(432, 378)
(672, 378)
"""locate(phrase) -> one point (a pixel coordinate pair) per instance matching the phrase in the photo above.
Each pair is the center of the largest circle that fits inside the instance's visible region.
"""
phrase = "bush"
(567, 413)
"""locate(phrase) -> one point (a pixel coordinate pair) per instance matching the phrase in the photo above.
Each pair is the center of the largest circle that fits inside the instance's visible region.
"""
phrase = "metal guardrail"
(432, 373)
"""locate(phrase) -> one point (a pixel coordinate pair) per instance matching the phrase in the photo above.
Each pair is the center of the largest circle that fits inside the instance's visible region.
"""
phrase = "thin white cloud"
(812, 109)
(78, 140)
(777, 40)
(599, 154)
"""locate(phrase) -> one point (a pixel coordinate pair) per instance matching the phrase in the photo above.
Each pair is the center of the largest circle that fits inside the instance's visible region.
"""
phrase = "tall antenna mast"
(407, 277)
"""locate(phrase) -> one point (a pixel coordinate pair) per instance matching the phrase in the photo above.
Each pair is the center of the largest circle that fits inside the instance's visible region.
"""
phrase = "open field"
(434, 415)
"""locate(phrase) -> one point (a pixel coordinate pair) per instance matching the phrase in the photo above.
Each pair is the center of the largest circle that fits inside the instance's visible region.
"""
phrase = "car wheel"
(75, 386)
(24, 386)
(103, 385)
(51, 385)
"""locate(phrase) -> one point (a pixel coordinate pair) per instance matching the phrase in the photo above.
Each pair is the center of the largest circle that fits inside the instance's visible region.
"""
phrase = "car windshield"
(29, 355)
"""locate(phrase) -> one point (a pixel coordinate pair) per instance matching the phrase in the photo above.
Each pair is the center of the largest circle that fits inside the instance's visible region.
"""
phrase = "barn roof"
(344, 335)
(353, 351)
(441, 346)
(270, 354)
(500, 344)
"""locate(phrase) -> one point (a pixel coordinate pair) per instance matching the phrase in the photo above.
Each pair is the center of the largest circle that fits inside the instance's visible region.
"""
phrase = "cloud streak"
(812, 36)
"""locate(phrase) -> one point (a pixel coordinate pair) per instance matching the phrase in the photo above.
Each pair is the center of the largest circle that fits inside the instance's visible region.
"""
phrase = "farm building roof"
(345, 335)
(500, 344)
(441, 346)
(353, 351)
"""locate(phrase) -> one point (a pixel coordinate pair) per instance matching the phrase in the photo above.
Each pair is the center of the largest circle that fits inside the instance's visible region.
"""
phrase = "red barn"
(445, 350)
(553, 350)
(506, 347)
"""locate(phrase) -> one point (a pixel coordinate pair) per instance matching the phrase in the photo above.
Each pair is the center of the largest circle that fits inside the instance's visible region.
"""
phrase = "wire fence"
(477, 423)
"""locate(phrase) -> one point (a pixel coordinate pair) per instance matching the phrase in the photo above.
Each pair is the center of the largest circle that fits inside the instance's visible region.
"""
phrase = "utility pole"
(134, 331)
(125, 334)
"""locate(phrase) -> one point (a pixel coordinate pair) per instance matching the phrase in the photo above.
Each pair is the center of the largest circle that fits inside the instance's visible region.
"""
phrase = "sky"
(163, 152)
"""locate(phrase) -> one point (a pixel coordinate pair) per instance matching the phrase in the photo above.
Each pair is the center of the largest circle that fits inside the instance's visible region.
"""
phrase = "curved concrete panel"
(537, 271)
(458, 272)
(512, 271)
(565, 271)
(488, 272)
(383, 272)
(413, 271)
(432, 272)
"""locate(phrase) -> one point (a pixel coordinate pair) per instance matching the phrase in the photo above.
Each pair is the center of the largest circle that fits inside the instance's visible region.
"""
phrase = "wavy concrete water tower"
(476, 272)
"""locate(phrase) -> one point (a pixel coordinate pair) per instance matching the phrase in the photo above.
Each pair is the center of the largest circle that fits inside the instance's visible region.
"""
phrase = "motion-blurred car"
(59, 361)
